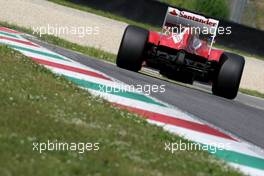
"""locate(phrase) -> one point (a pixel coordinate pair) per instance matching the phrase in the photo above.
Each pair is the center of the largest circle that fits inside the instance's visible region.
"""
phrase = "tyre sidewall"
(130, 54)
(229, 75)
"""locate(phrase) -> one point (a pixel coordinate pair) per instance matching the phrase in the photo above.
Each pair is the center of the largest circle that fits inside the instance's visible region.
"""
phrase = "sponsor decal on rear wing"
(177, 19)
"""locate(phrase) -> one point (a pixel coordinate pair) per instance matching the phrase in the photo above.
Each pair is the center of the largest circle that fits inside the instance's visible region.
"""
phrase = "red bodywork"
(183, 44)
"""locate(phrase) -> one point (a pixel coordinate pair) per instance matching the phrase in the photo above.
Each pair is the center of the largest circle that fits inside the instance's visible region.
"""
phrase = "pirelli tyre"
(130, 54)
(226, 83)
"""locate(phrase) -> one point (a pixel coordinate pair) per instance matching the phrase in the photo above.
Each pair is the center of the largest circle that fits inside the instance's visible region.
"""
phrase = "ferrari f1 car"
(183, 51)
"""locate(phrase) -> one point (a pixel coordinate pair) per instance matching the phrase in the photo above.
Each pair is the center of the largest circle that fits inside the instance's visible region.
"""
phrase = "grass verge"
(37, 106)
(243, 53)
(252, 92)
(89, 51)
(207, 7)
(104, 14)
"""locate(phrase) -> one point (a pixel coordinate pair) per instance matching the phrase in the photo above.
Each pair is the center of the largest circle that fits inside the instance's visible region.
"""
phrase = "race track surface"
(241, 120)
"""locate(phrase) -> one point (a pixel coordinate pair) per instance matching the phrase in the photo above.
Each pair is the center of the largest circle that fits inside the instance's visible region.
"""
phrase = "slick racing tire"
(130, 54)
(226, 83)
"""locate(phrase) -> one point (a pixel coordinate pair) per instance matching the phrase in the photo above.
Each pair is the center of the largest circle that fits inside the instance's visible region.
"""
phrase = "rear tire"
(130, 54)
(226, 83)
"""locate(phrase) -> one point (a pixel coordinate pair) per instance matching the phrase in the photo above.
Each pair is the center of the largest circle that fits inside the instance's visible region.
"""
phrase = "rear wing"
(176, 18)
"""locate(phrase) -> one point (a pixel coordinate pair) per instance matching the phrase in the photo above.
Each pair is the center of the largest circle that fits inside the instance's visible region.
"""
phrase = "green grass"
(89, 51)
(104, 14)
(259, 14)
(37, 106)
(207, 7)
(252, 92)
(240, 52)
(187, 4)
(253, 14)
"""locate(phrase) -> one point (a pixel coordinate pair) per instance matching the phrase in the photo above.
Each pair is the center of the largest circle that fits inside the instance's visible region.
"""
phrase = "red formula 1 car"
(183, 51)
